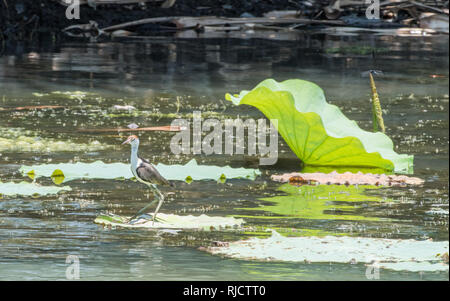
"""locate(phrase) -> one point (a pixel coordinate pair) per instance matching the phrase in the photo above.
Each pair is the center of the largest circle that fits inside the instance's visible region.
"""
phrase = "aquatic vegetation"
(172, 221)
(326, 202)
(397, 254)
(377, 113)
(101, 170)
(319, 133)
(25, 188)
(19, 140)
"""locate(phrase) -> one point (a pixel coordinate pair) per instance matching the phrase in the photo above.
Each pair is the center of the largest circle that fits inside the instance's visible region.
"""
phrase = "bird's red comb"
(130, 138)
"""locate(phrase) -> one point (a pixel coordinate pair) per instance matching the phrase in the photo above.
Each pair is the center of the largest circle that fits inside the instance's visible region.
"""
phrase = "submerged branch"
(182, 23)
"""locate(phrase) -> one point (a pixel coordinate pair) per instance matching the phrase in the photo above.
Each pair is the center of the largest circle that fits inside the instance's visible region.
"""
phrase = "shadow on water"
(166, 78)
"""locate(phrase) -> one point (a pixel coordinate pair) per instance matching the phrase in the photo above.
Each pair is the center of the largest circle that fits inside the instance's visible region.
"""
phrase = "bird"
(146, 173)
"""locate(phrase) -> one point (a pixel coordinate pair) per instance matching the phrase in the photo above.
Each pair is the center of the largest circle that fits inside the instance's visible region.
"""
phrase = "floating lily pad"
(398, 254)
(101, 170)
(31, 174)
(57, 176)
(222, 179)
(25, 188)
(171, 221)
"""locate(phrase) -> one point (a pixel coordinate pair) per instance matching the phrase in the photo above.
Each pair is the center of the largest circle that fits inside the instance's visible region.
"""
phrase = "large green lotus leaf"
(25, 188)
(101, 170)
(319, 133)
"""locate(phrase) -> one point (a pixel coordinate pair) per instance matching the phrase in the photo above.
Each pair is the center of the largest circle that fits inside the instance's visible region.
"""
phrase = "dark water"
(161, 76)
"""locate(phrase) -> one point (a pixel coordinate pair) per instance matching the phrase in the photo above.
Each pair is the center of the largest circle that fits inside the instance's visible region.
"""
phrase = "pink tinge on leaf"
(346, 178)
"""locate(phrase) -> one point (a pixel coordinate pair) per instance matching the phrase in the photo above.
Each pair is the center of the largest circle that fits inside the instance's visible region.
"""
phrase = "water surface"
(165, 76)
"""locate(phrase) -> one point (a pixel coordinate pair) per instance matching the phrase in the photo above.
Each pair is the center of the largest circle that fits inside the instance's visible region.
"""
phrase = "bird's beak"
(126, 141)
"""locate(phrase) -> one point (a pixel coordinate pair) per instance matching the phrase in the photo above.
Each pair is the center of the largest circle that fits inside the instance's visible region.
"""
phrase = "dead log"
(103, 2)
(183, 23)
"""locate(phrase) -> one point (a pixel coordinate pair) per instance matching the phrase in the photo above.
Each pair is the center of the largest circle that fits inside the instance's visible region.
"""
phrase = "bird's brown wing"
(147, 172)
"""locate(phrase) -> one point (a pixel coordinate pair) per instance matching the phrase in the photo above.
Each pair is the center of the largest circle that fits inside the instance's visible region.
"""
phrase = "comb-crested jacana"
(146, 173)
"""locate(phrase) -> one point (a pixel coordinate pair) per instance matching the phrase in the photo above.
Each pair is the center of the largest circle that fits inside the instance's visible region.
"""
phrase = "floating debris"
(346, 178)
(132, 126)
(299, 181)
(126, 107)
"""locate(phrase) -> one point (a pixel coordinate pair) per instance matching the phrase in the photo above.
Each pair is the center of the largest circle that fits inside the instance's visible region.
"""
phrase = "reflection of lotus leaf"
(318, 202)
(317, 132)
(101, 170)
(24, 188)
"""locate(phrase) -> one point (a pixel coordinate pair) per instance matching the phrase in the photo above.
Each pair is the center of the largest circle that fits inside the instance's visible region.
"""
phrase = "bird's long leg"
(161, 201)
(143, 209)
(159, 197)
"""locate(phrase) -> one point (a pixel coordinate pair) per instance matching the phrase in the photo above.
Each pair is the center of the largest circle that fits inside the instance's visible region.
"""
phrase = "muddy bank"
(22, 20)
